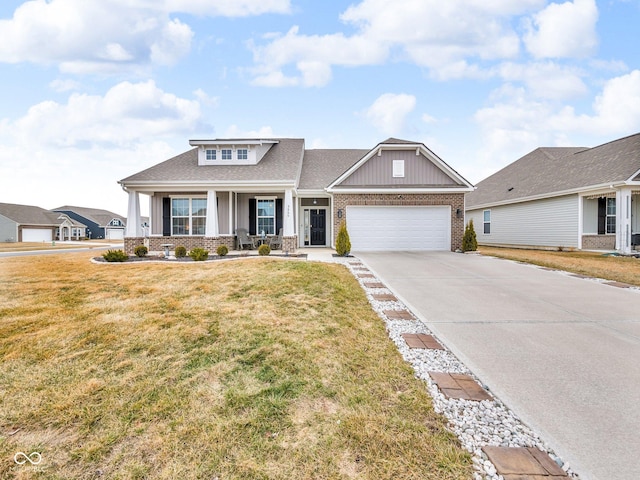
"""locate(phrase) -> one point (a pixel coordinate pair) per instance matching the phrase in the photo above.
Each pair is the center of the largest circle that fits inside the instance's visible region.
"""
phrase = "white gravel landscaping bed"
(477, 424)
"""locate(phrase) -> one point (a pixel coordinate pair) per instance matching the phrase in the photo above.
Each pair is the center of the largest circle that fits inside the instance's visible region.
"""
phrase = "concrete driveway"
(562, 352)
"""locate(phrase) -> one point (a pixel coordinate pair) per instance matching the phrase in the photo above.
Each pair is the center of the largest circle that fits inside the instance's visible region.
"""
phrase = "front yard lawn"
(250, 369)
(592, 264)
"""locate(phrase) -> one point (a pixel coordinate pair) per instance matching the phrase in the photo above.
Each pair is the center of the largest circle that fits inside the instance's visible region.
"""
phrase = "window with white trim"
(242, 153)
(227, 154)
(188, 216)
(611, 215)
(211, 154)
(398, 168)
(266, 216)
(486, 221)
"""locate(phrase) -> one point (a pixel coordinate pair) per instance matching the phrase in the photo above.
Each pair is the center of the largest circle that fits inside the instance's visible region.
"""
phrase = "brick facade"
(455, 200)
(154, 244)
(598, 242)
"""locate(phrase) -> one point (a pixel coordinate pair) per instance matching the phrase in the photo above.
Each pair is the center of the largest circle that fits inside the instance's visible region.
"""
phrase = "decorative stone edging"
(477, 424)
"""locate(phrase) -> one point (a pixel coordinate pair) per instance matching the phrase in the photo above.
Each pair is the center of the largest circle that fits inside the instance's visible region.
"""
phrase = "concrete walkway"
(562, 352)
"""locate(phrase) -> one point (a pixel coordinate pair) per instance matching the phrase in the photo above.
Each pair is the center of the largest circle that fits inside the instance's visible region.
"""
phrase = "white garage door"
(37, 235)
(399, 228)
(115, 234)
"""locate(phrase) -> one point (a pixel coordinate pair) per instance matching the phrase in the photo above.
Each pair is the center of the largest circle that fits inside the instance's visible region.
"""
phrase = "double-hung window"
(611, 215)
(486, 221)
(188, 216)
(227, 154)
(266, 216)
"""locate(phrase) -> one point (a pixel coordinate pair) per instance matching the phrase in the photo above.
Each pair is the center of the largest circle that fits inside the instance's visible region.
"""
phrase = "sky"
(96, 90)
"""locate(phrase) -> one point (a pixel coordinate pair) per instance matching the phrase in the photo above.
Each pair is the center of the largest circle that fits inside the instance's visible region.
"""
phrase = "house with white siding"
(569, 198)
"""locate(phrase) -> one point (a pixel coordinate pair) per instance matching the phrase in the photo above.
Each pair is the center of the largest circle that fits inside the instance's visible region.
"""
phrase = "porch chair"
(276, 241)
(242, 237)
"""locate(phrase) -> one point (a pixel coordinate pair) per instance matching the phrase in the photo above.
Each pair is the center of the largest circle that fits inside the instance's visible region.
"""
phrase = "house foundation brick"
(455, 200)
(154, 244)
(598, 242)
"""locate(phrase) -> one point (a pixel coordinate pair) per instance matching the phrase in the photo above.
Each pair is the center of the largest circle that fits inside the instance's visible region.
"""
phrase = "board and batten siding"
(378, 171)
(551, 222)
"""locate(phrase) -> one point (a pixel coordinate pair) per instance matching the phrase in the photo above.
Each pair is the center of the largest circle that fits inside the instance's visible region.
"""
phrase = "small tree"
(469, 240)
(343, 243)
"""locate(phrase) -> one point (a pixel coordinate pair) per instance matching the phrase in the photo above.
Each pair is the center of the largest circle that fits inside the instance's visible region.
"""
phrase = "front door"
(315, 226)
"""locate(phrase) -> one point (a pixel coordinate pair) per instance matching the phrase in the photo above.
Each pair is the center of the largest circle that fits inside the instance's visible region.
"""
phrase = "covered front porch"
(212, 218)
(610, 220)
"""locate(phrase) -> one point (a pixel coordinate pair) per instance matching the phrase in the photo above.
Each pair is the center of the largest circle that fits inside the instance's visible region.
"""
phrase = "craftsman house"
(583, 198)
(398, 195)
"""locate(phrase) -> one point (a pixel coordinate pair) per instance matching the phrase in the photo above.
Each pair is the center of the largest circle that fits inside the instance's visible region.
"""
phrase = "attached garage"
(115, 233)
(388, 228)
(37, 234)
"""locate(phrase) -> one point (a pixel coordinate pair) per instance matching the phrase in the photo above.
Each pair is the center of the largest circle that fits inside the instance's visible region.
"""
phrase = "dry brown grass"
(35, 246)
(593, 264)
(233, 370)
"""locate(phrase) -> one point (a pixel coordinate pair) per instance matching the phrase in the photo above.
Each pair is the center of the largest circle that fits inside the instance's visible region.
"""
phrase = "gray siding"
(635, 214)
(8, 230)
(550, 222)
(590, 216)
(223, 212)
(378, 171)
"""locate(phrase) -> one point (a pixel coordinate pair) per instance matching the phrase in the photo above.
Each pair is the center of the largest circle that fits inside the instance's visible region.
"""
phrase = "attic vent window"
(398, 168)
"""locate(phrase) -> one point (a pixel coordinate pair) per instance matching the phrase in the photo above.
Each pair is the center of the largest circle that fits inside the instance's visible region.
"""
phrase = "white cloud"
(107, 37)
(517, 123)
(127, 113)
(233, 131)
(389, 111)
(442, 36)
(546, 79)
(66, 85)
(563, 30)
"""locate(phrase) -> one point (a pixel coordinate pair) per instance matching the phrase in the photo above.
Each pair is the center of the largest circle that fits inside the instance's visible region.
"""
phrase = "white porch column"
(211, 228)
(134, 223)
(288, 227)
(623, 217)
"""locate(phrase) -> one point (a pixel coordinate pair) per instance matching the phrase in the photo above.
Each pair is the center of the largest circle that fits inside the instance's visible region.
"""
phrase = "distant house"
(100, 223)
(583, 198)
(26, 223)
(397, 195)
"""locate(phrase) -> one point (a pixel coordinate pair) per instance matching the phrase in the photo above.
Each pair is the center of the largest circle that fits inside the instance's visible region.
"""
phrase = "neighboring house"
(26, 223)
(100, 223)
(583, 198)
(397, 196)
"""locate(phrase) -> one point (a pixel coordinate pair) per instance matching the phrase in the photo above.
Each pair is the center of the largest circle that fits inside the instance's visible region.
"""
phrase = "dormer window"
(232, 152)
(242, 154)
(211, 154)
(227, 154)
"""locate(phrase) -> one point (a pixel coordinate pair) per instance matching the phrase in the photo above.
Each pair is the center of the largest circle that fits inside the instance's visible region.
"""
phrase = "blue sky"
(94, 91)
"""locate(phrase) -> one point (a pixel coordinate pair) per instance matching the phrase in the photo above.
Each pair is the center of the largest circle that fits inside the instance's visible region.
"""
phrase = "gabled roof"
(32, 215)
(281, 163)
(556, 171)
(96, 215)
(454, 181)
(322, 166)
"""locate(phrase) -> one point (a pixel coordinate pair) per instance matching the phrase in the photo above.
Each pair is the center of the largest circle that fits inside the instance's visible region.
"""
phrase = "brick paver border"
(458, 385)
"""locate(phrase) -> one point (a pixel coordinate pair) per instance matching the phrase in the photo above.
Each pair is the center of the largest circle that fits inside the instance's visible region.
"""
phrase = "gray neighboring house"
(582, 198)
(27, 223)
(398, 195)
(100, 223)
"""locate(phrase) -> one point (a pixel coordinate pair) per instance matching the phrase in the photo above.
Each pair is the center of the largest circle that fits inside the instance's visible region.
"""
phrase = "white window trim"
(206, 154)
(222, 154)
(190, 216)
(258, 217)
(484, 222)
(607, 216)
(398, 169)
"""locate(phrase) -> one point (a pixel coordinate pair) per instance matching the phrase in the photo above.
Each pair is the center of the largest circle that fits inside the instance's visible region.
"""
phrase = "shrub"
(264, 249)
(115, 256)
(222, 250)
(469, 240)
(343, 243)
(199, 254)
(180, 251)
(141, 251)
